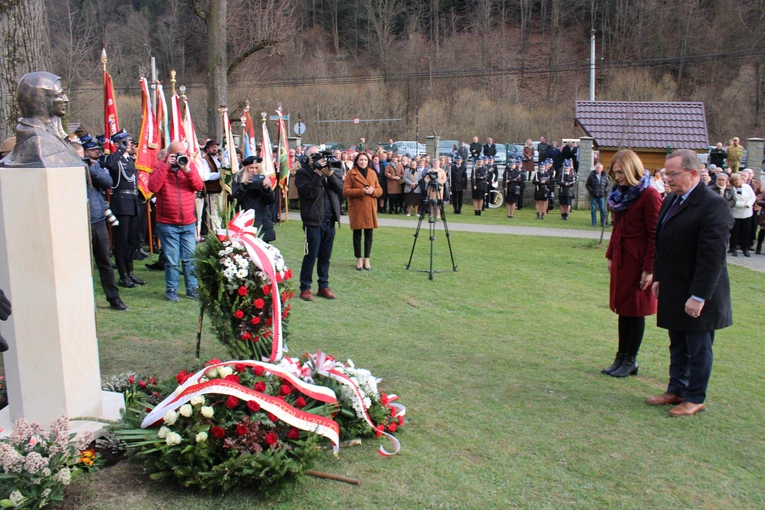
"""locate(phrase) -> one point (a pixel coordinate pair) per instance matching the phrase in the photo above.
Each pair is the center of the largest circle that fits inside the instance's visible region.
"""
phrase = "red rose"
(232, 402)
(258, 370)
(272, 417)
(242, 290)
(253, 406)
(142, 383)
(241, 429)
(246, 335)
(300, 402)
(239, 367)
(255, 320)
(260, 386)
(291, 294)
(401, 420)
(379, 430)
(267, 334)
(218, 432)
(393, 411)
(238, 314)
(285, 389)
(284, 296)
(232, 378)
(392, 427)
(131, 379)
(152, 380)
(212, 362)
(266, 289)
(278, 278)
(271, 439)
(156, 394)
(258, 303)
(384, 399)
(288, 274)
(269, 321)
(182, 376)
(293, 433)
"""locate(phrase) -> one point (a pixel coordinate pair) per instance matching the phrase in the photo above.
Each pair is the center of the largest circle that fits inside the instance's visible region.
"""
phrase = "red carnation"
(259, 370)
(255, 320)
(246, 335)
(238, 314)
(278, 278)
(260, 386)
(241, 429)
(131, 379)
(384, 399)
(266, 289)
(253, 406)
(392, 427)
(232, 402)
(272, 417)
(242, 290)
(232, 378)
(285, 389)
(218, 432)
(300, 402)
(271, 439)
(293, 433)
(258, 303)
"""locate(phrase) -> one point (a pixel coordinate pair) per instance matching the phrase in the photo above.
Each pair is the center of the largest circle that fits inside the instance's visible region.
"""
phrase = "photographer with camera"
(362, 190)
(175, 183)
(253, 191)
(319, 187)
(99, 181)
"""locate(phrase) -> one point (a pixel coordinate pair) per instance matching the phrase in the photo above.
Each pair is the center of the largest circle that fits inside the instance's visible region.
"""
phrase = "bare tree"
(382, 18)
(76, 42)
(25, 46)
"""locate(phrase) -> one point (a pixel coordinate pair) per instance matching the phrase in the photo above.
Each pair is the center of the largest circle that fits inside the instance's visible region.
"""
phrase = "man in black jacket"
(475, 150)
(597, 186)
(690, 280)
(490, 149)
(717, 156)
(319, 189)
(459, 182)
(542, 148)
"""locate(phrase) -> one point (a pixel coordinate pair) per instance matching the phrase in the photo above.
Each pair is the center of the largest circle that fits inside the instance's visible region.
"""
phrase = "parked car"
(501, 157)
(410, 149)
(514, 150)
(445, 147)
(330, 146)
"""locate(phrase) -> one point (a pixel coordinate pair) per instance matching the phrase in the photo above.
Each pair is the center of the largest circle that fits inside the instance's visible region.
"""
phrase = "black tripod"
(434, 187)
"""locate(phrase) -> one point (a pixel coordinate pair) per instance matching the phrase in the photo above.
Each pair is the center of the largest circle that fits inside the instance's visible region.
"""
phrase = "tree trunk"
(24, 48)
(217, 66)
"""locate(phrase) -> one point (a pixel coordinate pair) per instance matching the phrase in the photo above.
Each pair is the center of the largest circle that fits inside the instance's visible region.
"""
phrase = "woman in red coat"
(636, 207)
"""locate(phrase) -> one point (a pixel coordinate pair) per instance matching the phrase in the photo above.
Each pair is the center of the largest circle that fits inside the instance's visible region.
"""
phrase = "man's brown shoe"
(306, 295)
(326, 293)
(665, 400)
(687, 409)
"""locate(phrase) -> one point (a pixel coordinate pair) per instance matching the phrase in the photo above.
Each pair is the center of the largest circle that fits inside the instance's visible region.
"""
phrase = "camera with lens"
(111, 218)
(329, 160)
(181, 159)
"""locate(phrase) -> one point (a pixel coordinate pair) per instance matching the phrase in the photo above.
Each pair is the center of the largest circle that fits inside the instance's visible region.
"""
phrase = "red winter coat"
(175, 193)
(631, 251)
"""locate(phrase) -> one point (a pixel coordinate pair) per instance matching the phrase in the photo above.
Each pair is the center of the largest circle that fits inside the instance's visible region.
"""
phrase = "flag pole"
(172, 82)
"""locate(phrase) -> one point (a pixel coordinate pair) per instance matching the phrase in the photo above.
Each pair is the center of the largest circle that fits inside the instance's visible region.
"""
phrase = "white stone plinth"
(52, 365)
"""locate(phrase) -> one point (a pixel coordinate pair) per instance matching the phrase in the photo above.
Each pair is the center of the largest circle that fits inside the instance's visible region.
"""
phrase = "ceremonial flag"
(267, 153)
(111, 122)
(148, 142)
(162, 125)
(193, 150)
(177, 133)
(284, 151)
(230, 150)
(248, 135)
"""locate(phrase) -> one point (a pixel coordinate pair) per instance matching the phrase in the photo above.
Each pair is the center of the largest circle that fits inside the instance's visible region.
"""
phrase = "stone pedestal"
(585, 168)
(431, 146)
(754, 148)
(52, 366)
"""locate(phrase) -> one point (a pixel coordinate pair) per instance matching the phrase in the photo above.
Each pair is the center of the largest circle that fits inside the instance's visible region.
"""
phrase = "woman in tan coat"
(394, 174)
(362, 189)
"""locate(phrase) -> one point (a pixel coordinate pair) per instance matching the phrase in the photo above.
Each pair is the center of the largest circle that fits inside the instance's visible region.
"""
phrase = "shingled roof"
(644, 125)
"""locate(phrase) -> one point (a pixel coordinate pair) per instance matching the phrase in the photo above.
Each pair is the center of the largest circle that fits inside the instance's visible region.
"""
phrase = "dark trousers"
(457, 201)
(100, 236)
(125, 239)
(367, 243)
(690, 364)
(318, 245)
(143, 225)
(740, 234)
(631, 331)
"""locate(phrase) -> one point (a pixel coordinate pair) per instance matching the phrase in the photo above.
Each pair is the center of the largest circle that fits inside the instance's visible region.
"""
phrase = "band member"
(542, 188)
(566, 183)
(458, 183)
(492, 179)
(478, 177)
(512, 177)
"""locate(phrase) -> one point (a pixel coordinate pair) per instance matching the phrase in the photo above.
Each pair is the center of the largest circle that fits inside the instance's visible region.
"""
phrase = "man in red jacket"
(175, 186)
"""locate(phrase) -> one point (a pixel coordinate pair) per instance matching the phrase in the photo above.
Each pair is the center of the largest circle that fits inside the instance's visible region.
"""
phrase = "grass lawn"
(499, 366)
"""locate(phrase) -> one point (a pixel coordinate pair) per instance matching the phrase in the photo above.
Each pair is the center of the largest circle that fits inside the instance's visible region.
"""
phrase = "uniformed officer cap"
(120, 135)
(251, 160)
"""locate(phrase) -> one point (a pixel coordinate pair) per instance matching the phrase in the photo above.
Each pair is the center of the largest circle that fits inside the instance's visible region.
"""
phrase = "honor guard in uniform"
(458, 182)
(566, 183)
(512, 177)
(125, 204)
(542, 188)
(478, 179)
(492, 179)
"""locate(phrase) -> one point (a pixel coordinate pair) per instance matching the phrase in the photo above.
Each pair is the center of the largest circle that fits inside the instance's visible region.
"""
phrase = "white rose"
(173, 438)
(207, 411)
(212, 373)
(170, 417)
(186, 410)
(197, 400)
(225, 371)
(163, 432)
(201, 437)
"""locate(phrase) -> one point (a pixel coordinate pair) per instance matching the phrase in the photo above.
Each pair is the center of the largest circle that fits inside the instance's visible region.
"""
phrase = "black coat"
(126, 199)
(490, 150)
(595, 188)
(459, 177)
(475, 150)
(690, 260)
(542, 189)
(311, 188)
(717, 157)
(513, 177)
(566, 184)
(479, 176)
(254, 196)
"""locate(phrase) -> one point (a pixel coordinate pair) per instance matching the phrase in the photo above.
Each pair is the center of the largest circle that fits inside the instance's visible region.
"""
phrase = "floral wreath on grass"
(256, 421)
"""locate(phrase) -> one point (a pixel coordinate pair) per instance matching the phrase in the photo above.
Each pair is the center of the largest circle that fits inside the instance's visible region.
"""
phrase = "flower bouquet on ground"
(37, 465)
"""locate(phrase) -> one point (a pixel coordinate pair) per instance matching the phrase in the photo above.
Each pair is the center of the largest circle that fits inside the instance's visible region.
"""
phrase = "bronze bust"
(39, 133)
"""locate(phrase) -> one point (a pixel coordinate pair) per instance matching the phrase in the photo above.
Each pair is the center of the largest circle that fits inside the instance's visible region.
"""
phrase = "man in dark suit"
(490, 149)
(690, 269)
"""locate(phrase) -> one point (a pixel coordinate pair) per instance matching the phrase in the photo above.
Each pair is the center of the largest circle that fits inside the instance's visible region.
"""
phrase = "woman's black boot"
(628, 367)
(616, 364)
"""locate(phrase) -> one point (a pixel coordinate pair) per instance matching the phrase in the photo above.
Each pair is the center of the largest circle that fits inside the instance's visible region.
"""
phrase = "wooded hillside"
(506, 68)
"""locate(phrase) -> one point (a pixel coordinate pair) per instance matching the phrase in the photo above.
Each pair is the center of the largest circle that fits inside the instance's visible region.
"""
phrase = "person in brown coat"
(394, 174)
(630, 252)
(362, 189)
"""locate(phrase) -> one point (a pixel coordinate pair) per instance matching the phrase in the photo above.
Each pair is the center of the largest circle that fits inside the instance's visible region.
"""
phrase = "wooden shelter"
(652, 130)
